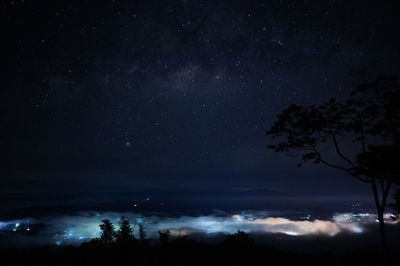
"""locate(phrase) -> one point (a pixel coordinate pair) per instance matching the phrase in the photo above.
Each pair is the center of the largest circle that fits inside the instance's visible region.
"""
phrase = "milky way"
(174, 94)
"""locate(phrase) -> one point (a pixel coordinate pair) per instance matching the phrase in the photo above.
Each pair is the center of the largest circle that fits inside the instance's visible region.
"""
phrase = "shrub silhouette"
(240, 238)
(164, 237)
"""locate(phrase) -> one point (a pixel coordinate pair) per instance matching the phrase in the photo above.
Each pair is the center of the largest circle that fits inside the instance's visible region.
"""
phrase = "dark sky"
(104, 99)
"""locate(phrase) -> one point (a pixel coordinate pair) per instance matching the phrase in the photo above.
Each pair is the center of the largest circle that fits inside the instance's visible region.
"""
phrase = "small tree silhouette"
(124, 235)
(107, 232)
(142, 234)
(164, 237)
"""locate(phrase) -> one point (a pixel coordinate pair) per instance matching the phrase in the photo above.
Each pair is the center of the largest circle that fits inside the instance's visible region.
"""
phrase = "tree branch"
(376, 195)
(347, 170)
(339, 152)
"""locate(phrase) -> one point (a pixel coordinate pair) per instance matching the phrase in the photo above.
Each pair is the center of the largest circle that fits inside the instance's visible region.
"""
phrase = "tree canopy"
(107, 232)
(124, 235)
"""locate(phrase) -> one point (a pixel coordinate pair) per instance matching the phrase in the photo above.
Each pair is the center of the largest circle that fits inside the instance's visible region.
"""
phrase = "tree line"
(125, 236)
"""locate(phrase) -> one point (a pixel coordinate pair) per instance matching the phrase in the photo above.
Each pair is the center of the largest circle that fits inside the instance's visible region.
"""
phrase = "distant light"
(357, 229)
(17, 224)
(28, 229)
(58, 243)
(291, 233)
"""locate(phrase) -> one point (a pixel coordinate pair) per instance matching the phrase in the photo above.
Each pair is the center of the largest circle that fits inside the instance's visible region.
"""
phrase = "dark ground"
(186, 252)
(234, 250)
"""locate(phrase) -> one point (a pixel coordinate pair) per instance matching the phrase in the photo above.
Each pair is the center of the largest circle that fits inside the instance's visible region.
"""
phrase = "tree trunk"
(382, 229)
(380, 207)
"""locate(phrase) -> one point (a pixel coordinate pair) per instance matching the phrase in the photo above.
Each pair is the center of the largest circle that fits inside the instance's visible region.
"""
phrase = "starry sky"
(119, 100)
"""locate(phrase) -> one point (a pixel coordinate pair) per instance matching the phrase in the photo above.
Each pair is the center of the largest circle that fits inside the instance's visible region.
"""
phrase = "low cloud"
(83, 226)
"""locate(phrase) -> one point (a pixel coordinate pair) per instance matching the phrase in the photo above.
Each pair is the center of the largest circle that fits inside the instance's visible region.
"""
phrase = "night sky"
(117, 101)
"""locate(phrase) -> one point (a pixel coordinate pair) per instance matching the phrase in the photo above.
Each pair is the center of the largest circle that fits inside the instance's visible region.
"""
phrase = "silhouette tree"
(164, 237)
(124, 235)
(142, 234)
(367, 124)
(107, 232)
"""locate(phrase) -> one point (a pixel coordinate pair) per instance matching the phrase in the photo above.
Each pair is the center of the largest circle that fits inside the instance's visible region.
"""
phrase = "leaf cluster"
(369, 118)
